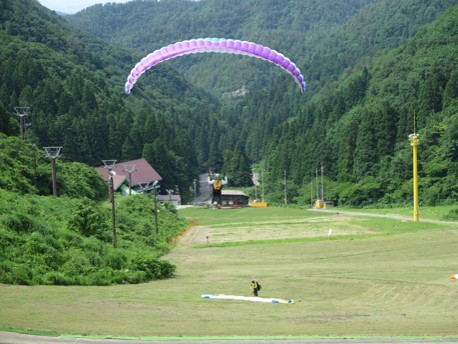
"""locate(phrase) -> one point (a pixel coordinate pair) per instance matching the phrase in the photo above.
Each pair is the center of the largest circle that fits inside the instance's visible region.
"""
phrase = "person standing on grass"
(256, 287)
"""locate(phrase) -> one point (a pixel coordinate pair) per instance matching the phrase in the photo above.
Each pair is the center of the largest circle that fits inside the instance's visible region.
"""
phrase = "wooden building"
(138, 173)
(234, 199)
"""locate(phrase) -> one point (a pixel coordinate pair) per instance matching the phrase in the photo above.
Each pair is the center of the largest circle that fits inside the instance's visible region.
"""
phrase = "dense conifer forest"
(377, 71)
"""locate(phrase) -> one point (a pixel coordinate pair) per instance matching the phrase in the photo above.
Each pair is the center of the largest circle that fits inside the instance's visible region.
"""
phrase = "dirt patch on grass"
(273, 230)
(196, 235)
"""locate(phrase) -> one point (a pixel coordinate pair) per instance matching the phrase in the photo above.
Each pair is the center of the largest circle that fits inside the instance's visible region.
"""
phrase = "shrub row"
(63, 241)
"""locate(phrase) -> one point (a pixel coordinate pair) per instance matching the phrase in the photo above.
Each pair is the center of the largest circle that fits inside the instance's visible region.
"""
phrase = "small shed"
(234, 199)
(174, 199)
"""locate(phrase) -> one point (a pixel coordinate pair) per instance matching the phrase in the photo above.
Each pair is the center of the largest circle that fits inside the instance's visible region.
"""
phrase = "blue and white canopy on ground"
(246, 298)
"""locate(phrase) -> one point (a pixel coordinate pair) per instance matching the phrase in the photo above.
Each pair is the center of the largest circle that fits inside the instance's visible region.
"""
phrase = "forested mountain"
(322, 37)
(361, 129)
(73, 85)
(370, 66)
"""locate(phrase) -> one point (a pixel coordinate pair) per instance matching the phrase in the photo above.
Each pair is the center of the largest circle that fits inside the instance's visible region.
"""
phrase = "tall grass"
(64, 241)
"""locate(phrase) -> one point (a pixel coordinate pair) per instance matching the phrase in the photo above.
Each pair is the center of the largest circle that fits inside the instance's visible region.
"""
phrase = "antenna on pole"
(53, 153)
(22, 112)
(130, 169)
(147, 187)
(155, 186)
(110, 165)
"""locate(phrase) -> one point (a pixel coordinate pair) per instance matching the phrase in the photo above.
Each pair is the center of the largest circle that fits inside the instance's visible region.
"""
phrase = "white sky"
(72, 6)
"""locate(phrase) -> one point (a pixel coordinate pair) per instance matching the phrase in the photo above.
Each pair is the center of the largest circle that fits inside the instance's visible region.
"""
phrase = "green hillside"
(68, 240)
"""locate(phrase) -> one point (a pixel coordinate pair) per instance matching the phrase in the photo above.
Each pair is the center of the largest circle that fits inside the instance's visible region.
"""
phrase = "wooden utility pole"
(53, 153)
(110, 165)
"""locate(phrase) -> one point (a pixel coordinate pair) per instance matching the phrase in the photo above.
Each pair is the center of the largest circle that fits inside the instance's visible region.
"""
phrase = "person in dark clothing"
(256, 287)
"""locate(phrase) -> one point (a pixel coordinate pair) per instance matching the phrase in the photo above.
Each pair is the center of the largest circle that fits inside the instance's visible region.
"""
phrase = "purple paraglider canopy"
(217, 45)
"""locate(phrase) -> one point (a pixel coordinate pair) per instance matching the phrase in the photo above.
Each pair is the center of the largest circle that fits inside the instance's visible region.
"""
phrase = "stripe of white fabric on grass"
(246, 298)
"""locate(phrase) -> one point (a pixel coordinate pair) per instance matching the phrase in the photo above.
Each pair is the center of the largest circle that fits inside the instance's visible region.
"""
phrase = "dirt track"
(196, 235)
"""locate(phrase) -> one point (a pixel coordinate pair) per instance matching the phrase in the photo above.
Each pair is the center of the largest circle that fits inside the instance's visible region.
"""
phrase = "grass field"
(425, 212)
(370, 277)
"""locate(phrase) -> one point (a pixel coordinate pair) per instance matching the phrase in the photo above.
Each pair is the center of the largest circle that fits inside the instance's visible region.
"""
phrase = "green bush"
(153, 267)
(88, 219)
(55, 278)
(78, 180)
(63, 241)
(21, 222)
(7, 239)
(452, 215)
(5, 271)
(135, 277)
(26, 171)
(115, 259)
(21, 274)
(103, 276)
(77, 264)
(167, 269)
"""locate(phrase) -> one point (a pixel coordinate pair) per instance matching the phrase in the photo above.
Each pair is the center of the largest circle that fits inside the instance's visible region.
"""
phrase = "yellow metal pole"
(415, 142)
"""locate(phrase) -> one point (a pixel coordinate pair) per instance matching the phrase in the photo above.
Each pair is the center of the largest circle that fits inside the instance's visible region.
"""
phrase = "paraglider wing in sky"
(218, 45)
